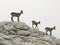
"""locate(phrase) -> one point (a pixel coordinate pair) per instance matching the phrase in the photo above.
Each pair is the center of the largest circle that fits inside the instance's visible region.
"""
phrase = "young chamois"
(35, 23)
(49, 29)
(14, 14)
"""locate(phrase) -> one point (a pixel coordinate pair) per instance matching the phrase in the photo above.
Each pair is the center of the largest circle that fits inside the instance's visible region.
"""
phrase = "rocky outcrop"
(19, 33)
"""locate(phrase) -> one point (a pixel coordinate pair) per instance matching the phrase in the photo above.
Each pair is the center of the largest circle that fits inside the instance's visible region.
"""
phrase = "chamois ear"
(22, 11)
(39, 22)
(54, 27)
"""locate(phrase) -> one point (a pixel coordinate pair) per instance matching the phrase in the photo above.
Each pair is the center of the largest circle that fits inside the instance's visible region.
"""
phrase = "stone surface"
(19, 33)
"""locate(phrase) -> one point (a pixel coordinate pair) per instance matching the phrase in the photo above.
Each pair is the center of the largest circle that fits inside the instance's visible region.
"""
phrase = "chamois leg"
(18, 19)
(37, 27)
(32, 26)
(12, 18)
(46, 33)
(50, 33)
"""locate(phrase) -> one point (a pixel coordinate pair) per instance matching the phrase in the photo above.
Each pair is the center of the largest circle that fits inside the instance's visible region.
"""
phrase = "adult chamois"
(35, 23)
(49, 29)
(15, 14)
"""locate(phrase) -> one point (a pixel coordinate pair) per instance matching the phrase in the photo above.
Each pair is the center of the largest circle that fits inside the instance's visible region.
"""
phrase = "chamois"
(49, 29)
(14, 14)
(35, 23)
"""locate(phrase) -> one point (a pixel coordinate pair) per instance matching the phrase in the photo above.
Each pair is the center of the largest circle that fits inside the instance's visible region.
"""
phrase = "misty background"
(45, 11)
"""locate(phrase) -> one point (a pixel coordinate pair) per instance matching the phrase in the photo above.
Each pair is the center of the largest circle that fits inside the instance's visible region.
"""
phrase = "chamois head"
(21, 11)
(39, 22)
(54, 27)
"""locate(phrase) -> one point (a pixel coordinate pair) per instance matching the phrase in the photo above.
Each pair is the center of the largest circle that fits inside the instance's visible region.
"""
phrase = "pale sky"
(45, 11)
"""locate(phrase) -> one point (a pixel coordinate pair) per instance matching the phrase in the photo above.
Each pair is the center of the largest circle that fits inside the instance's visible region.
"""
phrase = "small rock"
(23, 33)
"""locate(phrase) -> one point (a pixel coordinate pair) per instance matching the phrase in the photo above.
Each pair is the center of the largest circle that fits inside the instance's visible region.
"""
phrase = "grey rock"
(2, 44)
(19, 33)
(21, 26)
(23, 33)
